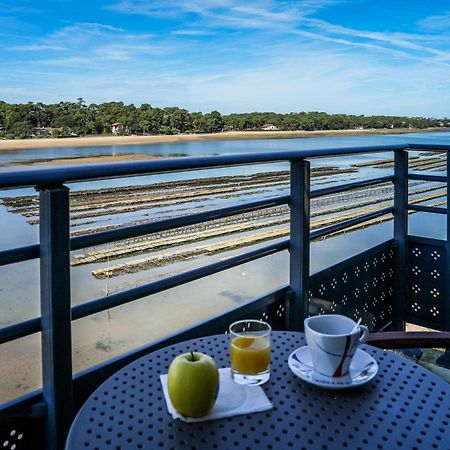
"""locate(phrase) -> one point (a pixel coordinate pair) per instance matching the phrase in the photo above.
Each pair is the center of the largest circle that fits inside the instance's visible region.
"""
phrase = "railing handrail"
(55, 244)
(76, 173)
(15, 255)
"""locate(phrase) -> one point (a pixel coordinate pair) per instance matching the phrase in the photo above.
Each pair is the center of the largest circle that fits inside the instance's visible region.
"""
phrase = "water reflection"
(10, 158)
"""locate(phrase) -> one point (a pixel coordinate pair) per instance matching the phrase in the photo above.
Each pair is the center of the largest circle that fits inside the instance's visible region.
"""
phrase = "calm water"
(110, 333)
(12, 157)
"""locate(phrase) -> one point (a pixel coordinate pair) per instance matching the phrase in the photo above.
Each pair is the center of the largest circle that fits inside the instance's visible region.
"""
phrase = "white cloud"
(69, 61)
(259, 55)
(80, 33)
(436, 23)
(12, 7)
(334, 82)
(291, 80)
(237, 12)
(187, 32)
(37, 48)
(403, 41)
(14, 91)
(90, 44)
(291, 17)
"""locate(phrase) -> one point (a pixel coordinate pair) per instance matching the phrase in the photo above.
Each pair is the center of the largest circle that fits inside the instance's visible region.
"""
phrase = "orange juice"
(250, 355)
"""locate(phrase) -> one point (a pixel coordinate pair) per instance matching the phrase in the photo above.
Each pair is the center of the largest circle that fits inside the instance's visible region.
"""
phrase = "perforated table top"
(404, 407)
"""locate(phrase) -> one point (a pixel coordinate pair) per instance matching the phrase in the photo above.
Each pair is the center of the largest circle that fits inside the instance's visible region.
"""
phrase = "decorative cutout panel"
(274, 314)
(22, 434)
(361, 286)
(426, 291)
(271, 309)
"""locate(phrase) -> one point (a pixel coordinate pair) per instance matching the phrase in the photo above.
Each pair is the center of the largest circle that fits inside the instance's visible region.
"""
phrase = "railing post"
(447, 253)
(444, 359)
(298, 307)
(400, 237)
(55, 312)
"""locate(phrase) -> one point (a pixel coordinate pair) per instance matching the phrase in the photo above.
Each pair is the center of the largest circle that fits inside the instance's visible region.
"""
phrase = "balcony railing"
(386, 285)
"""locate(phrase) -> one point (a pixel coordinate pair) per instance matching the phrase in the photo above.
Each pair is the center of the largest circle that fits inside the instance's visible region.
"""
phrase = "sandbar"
(94, 141)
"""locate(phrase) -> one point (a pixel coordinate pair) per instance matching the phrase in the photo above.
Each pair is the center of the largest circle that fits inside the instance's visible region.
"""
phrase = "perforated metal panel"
(22, 434)
(404, 407)
(274, 314)
(426, 291)
(360, 287)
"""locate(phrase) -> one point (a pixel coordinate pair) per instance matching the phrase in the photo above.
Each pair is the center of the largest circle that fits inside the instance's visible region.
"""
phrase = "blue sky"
(360, 56)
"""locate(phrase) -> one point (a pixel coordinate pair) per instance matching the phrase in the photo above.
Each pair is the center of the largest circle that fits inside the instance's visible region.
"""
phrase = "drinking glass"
(250, 352)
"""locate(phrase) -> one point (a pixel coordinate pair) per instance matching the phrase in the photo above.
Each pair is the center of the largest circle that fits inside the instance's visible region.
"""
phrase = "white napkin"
(233, 400)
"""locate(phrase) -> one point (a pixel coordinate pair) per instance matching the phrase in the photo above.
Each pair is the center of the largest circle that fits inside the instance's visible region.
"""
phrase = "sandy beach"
(93, 141)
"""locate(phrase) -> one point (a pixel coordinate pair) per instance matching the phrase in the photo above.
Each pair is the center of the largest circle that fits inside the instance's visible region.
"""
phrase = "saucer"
(363, 368)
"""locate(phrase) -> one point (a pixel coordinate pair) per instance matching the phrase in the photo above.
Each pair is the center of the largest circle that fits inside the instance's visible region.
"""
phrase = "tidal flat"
(103, 270)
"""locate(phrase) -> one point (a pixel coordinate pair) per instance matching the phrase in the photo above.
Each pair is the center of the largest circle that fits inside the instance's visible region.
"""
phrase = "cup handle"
(364, 334)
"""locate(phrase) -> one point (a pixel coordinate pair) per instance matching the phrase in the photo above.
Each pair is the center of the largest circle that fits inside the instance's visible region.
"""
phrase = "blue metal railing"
(55, 246)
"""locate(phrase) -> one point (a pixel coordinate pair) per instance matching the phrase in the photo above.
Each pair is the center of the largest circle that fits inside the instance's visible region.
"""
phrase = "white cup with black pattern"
(333, 340)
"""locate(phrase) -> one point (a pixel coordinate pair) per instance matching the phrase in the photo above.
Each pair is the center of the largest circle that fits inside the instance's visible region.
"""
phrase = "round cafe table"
(404, 407)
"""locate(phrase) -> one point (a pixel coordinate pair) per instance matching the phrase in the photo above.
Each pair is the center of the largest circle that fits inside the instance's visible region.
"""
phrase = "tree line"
(25, 120)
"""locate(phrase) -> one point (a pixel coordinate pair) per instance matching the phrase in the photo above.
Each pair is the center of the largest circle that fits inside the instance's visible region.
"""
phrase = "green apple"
(193, 384)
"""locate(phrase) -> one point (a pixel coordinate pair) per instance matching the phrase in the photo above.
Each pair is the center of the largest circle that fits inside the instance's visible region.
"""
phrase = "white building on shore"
(269, 127)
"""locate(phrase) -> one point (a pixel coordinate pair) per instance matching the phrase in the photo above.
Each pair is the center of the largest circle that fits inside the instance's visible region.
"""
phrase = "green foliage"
(69, 118)
(309, 121)
(19, 130)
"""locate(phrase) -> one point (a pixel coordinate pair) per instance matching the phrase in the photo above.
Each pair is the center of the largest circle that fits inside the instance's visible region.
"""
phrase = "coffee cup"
(333, 340)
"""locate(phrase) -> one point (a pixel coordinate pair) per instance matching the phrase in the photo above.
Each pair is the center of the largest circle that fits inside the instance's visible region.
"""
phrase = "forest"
(32, 120)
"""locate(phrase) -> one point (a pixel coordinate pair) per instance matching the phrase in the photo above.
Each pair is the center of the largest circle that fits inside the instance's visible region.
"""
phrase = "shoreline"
(96, 141)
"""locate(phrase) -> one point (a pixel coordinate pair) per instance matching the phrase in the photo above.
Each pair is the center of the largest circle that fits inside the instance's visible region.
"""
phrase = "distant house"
(53, 131)
(117, 127)
(228, 128)
(41, 132)
(269, 127)
(46, 131)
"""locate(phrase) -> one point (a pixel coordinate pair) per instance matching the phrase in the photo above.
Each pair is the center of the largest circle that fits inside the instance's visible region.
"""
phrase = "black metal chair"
(414, 340)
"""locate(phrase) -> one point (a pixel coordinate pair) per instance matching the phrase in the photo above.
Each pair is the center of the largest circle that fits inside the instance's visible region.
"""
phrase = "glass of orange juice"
(250, 352)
